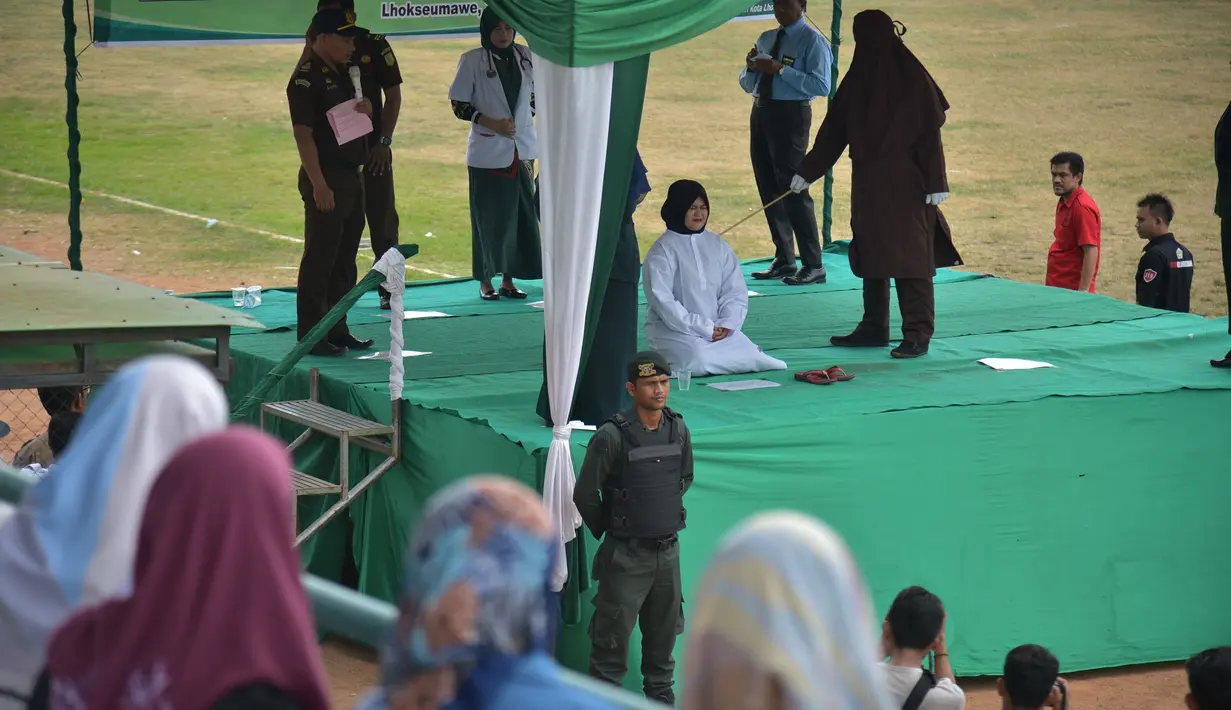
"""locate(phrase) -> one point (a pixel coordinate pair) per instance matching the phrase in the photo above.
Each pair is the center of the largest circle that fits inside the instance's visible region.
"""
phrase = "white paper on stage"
(385, 356)
(536, 304)
(753, 293)
(741, 385)
(1002, 364)
(413, 315)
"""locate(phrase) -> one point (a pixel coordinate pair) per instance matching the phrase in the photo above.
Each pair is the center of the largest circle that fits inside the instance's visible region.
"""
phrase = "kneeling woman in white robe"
(696, 295)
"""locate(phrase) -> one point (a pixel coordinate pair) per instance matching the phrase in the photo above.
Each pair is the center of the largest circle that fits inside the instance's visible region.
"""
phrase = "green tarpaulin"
(1072, 506)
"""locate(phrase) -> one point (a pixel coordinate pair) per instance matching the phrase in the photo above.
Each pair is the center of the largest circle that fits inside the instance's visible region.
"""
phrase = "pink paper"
(347, 123)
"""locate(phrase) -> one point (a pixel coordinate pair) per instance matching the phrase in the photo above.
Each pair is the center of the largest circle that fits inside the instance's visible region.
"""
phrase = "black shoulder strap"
(619, 420)
(927, 681)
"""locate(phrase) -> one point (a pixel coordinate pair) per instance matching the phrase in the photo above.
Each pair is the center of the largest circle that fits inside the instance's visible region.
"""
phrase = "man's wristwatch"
(781, 69)
(386, 141)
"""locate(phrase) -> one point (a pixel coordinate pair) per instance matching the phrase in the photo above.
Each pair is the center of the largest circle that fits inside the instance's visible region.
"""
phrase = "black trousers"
(331, 241)
(1226, 257)
(779, 133)
(638, 585)
(381, 213)
(916, 301)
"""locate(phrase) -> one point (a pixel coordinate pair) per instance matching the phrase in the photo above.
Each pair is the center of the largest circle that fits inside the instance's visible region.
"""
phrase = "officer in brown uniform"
(330, 179)
(382, 85)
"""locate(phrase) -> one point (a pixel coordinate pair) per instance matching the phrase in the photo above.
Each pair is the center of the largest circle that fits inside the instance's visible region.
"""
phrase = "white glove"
(799, 184)
(936, 198)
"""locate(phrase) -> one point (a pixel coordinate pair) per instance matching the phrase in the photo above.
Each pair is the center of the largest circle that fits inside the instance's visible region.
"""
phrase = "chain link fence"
(24, 413)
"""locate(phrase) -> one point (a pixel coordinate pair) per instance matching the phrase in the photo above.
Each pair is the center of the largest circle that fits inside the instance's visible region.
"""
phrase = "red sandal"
(824, 377)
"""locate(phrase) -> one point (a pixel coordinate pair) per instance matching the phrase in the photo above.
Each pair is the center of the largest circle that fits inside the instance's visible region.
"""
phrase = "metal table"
(60, 327)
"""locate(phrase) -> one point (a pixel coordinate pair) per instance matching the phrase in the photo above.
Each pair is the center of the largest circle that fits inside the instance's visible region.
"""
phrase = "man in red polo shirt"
(1072, 261)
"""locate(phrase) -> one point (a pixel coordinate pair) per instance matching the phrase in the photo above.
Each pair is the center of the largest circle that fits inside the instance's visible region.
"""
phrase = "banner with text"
(160, 22)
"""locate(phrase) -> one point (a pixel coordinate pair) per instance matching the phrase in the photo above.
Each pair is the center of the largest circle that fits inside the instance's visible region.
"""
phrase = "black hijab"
(680, 197)
(504, 61)
(889, 97)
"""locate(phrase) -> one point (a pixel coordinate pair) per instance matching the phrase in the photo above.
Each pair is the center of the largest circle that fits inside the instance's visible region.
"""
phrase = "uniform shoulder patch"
(304, 83)
(305, 66)
(1149, 275)
(377, 38)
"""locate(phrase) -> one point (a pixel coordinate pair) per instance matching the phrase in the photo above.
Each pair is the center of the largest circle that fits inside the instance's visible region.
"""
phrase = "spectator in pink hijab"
(218, 618)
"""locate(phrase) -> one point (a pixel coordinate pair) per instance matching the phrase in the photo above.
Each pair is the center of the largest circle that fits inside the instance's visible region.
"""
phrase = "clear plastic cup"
(237, 296)
(684, 375)
(252, 298)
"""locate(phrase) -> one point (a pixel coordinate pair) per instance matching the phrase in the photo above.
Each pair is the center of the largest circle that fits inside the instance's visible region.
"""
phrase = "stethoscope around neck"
(524, 61)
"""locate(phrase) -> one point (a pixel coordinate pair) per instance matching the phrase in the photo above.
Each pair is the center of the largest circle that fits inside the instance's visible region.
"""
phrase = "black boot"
(862, 337)
(909, 349)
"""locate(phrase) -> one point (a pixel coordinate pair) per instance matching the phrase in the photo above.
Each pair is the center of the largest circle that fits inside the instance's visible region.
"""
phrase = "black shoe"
(909, 349)
(666, 697)
(1224, 363)
(352, 343)
(512, 293)
(327, 349)
(861, 338)
(777, 270)
(384, 302)
(806, 277)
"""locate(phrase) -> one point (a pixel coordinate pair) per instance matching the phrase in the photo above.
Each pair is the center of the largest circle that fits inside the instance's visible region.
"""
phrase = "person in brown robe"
(889, 111)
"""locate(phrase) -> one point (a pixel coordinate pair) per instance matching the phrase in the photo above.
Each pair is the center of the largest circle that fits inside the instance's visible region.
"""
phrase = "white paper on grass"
(385, 355)
(1002, 364)
(741, 385)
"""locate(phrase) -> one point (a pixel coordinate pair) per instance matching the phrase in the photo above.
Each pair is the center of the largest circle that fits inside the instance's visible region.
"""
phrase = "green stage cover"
(137, 22)
(1075, 506)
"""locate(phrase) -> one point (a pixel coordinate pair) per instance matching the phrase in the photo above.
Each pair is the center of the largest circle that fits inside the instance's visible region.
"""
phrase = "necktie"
(765, 90)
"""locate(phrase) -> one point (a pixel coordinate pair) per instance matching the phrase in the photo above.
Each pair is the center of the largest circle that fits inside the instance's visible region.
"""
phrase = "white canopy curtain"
(574, 110)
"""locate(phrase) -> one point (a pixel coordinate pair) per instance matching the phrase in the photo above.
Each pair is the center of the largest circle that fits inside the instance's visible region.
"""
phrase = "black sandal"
(512, 293)
(489, 296)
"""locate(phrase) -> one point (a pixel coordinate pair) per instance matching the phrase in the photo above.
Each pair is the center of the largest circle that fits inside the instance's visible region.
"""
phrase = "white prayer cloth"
(693, 284)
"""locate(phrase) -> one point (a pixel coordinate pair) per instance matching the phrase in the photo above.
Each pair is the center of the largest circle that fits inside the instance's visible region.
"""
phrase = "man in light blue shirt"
(785, 71)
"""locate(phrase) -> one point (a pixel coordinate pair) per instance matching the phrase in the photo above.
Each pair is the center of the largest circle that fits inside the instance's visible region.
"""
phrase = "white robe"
(693, 283)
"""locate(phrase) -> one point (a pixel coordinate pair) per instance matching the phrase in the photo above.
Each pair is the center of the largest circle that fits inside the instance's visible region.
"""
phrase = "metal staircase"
(349, 430)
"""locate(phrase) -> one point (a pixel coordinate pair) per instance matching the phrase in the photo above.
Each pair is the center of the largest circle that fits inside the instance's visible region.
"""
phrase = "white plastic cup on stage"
(238, 293)
(685, 378)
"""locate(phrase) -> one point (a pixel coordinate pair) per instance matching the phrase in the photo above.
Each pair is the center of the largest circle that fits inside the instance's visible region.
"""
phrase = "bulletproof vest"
(644, 497)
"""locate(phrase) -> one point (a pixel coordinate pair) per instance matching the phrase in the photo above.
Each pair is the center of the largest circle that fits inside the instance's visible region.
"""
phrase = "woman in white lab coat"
(494, 92)
(695, 293)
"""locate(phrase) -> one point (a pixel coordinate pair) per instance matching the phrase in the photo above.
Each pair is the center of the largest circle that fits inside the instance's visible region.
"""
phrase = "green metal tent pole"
(369, 282)
(835, 34)
(74, 138)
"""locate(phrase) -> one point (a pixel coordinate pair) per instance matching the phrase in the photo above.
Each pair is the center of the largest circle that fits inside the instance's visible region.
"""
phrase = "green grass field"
(1134, 85)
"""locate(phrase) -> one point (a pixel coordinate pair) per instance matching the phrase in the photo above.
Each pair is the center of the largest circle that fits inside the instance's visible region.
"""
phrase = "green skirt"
(504, 230)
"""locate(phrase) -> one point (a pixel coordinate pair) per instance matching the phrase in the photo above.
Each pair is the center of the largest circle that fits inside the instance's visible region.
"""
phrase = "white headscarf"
(783, 611)
(71, 542)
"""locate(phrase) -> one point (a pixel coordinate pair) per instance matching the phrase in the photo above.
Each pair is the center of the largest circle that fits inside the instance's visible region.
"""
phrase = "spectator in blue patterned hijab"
(476, 617)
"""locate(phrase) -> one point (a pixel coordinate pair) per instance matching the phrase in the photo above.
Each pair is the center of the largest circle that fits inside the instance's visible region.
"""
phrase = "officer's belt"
(652, 543)
(769, 103)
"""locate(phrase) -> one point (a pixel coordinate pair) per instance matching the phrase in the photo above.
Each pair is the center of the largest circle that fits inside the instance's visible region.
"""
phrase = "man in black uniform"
(630, 494)
(330, 179)
(382, 85)
(1165, 272)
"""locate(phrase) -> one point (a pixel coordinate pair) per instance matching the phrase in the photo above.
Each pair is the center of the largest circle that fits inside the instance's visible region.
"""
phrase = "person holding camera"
(914, 628)
(1032, 680)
